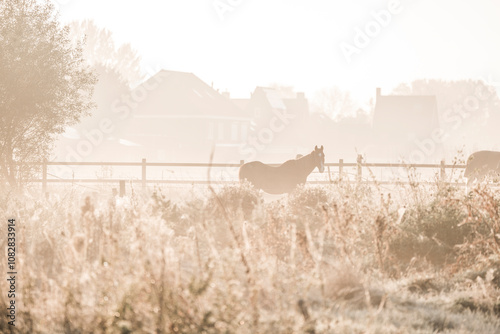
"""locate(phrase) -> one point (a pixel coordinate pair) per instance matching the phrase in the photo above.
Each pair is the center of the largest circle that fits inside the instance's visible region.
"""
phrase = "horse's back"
(482, 162)
(255, 172)
(249, 170)
(273, 180)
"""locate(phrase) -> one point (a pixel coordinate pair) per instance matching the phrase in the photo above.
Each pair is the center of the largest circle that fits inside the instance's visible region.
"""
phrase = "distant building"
(181, 118)
(280, 128)
(406, 126)
(176, 117)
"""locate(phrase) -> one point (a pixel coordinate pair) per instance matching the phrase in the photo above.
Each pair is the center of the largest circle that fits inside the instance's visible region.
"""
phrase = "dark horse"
(482, 164)
(284, 178)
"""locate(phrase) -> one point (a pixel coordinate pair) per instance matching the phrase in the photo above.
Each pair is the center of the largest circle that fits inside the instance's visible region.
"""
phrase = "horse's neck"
(307, 163)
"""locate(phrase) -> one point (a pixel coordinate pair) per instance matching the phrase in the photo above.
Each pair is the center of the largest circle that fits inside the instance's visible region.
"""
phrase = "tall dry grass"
(344, 258)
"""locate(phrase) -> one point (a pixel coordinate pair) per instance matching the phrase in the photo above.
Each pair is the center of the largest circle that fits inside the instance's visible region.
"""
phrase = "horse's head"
(319, 158)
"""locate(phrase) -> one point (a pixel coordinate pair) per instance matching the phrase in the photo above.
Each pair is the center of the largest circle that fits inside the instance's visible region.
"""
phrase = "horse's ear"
(321, 147)
(316, 147)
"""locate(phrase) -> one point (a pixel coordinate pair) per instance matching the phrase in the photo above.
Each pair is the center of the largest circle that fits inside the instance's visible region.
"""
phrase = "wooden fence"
(359, 165)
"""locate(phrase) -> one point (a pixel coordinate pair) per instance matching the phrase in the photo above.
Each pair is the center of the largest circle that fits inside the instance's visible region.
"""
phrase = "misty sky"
(298, 43)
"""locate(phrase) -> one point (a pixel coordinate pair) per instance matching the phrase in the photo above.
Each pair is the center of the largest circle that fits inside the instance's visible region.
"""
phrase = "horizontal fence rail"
(359, 165)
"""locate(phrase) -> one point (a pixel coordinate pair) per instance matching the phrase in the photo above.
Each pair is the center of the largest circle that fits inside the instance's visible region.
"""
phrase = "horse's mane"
(305, 157)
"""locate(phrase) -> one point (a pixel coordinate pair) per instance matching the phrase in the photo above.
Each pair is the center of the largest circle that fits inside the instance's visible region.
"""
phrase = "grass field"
(341, 258)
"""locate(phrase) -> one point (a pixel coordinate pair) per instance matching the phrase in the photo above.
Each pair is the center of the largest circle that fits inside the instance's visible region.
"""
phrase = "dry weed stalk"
(253, 290)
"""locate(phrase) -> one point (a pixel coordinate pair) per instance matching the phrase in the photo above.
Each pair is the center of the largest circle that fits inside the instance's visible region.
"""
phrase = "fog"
(391, 80)
(235, 81)
(250, 166)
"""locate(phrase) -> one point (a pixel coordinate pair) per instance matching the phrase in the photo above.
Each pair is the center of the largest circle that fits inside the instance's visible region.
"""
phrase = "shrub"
(433, 230)
(235, 200)
(168, 211)
(165, 208)
(307, 197)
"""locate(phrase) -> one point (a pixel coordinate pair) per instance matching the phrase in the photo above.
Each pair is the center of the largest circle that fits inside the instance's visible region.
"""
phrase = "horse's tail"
(243, 172)
(470, 165)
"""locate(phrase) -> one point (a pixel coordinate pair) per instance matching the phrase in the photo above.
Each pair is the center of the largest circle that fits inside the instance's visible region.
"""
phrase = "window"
(234, 131)
(257, 112)
(211, 131)
(197, 93)
(244, 131)
(220, 132)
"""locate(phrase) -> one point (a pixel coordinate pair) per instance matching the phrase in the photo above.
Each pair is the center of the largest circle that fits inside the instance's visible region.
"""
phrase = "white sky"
(297, 42)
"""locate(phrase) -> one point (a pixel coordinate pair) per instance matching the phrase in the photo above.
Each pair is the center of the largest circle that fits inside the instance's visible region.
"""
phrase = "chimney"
(300, 95)
(226, 95)
(378, 92)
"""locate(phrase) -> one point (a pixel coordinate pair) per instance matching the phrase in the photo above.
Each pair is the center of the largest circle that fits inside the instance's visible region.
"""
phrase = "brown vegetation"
(335, 259)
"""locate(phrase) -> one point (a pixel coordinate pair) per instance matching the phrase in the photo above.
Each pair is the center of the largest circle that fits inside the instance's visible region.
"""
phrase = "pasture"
(338, 258)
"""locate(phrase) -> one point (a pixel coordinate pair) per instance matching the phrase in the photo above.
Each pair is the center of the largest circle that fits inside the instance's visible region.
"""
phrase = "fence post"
(443, 172)
(44, 177)
(341, 169)
(359, 161)
(143, 174)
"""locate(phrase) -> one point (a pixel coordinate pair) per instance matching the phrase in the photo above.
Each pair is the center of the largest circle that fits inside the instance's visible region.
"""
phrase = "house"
(406, 126)
(181, 118)
(176, 117)
(279, 124)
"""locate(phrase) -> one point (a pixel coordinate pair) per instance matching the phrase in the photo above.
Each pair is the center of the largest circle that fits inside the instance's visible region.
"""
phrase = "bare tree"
(100, 51)
(44, 84)
(117, 69)
(334, 102)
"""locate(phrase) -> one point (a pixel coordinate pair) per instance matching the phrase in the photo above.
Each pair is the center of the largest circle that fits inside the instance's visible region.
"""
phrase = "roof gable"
(181, 94)
(264, 97)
